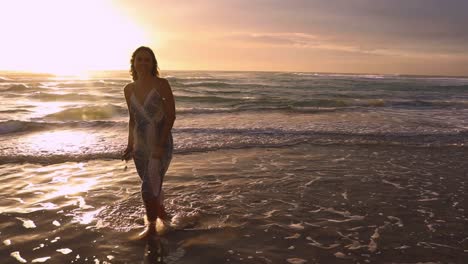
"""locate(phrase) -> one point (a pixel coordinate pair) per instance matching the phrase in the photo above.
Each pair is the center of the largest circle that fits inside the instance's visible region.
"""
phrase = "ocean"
(269, 167)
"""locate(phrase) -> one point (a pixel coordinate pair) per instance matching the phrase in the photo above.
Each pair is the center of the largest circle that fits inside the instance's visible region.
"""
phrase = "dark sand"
(297, 204)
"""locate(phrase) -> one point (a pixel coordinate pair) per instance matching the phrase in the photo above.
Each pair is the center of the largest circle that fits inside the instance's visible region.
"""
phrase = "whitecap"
(295, 236)
(355, 245)
(64, 251)
(40, 246)
(345, 195)
(44, 259)
(270, 213)
(18, 257)
(312, 181)
(396, 185)
(427, 199)
(296, 260)
(48, 205)
(403, 247)
(16, 199)
(27, 223)
(297, 226)
(320, 245)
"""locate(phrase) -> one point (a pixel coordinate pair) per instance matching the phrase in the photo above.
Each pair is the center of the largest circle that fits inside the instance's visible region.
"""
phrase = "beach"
(321, 204)
(268, 168)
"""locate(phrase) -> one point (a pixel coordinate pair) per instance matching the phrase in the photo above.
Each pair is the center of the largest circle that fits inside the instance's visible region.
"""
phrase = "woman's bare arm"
(131, 123)
(169, 110)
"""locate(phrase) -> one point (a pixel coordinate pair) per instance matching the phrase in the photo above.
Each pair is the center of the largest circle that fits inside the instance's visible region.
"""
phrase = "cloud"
(275, 39)
(310, 41)
(379, 27)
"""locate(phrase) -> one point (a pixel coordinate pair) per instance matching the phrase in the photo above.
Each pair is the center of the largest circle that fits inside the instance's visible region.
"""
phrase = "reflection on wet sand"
(154, 251)
(367, 205)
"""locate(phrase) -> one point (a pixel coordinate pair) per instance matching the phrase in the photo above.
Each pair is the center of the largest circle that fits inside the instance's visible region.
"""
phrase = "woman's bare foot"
(163, 226)
(149, 231)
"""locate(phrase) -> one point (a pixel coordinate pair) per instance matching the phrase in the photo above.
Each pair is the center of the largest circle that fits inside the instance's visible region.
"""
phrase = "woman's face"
(143, 62)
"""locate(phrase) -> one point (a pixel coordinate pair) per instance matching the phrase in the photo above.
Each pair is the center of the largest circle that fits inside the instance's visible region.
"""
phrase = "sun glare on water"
(61, 142)
(67, 37)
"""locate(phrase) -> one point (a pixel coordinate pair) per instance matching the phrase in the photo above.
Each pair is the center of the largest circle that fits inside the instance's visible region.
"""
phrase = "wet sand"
(296, 204)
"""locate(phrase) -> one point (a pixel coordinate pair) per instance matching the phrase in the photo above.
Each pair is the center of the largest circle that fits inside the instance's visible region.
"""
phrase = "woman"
(152, 114)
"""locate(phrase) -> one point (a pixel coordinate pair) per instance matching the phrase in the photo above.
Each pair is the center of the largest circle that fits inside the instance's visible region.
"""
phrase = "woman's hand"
(127, 153)
(158, 152)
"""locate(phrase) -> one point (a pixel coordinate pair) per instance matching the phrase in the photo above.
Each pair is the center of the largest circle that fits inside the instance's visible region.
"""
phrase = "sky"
(427, 37)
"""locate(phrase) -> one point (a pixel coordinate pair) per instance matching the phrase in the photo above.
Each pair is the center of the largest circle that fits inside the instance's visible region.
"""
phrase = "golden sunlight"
(60, 142)
(70, 188)
(45, 108)
(67, 37)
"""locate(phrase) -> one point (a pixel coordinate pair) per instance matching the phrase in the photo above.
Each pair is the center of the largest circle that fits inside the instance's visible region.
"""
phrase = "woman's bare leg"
(151, 206)
(161, 211)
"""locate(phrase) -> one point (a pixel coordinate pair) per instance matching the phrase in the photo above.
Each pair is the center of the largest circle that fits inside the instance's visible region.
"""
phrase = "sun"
(67, 37)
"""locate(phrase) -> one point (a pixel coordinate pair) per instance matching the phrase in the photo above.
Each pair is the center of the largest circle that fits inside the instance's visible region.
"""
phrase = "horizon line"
(259, 71)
